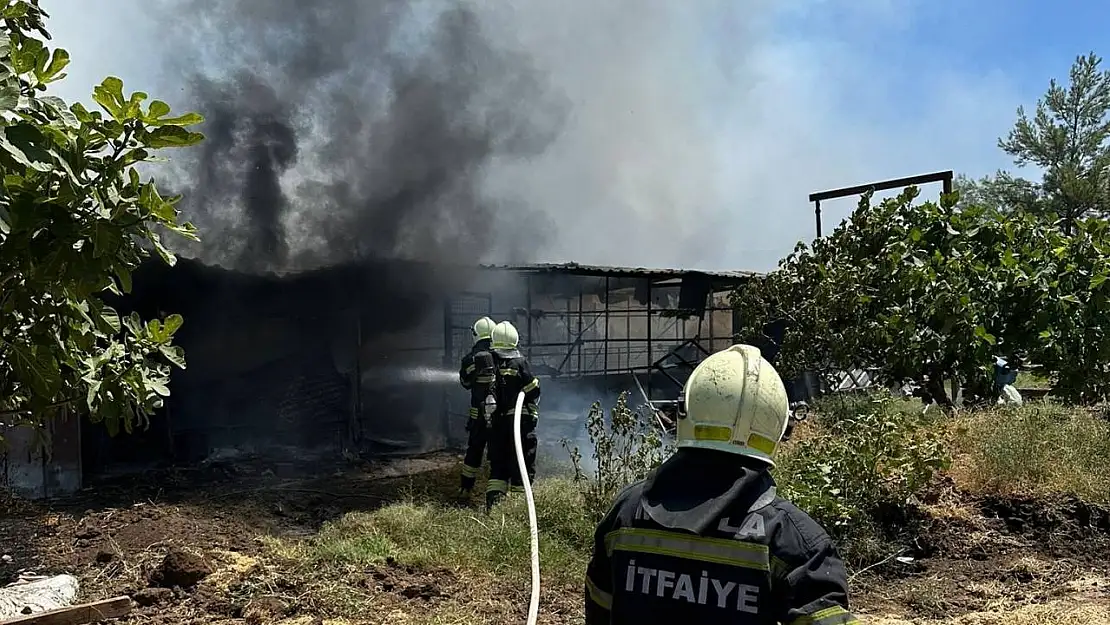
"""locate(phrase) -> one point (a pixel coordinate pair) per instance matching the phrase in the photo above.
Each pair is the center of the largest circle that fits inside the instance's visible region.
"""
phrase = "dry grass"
(432, 535)
(1037, 449)
(1061, 612)
(379, 563)
(470, 567)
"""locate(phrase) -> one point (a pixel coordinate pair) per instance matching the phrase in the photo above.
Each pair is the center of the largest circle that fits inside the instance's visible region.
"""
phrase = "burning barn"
(362, 357)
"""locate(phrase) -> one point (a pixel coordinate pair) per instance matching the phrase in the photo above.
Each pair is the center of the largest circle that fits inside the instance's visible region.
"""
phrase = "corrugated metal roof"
(574, 269)
(604, 270)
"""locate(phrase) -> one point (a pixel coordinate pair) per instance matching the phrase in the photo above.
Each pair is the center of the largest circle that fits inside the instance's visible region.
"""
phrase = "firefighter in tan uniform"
(705, 539)
(476, 374)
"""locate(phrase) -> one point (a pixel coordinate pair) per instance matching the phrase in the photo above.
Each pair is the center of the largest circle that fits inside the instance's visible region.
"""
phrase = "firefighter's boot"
(492, 499)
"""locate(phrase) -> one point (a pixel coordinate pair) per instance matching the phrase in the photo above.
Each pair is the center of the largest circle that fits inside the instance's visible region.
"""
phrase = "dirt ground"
(986, 561)
(190, 547)
(153, 537)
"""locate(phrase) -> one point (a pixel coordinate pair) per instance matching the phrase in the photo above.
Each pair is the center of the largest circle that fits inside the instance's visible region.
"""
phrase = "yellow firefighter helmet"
(505, 336)
(482, 329)
(734, 401)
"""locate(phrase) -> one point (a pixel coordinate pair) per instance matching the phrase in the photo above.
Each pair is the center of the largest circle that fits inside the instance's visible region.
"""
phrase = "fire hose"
(533, 526)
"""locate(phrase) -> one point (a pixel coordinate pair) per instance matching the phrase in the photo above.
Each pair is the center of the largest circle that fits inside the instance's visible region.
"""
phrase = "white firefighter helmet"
(505, 336)
(482, 329)
(734, 401)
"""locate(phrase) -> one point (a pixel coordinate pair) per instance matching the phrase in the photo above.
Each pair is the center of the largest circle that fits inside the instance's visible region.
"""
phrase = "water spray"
(412, 375)
(533, 525)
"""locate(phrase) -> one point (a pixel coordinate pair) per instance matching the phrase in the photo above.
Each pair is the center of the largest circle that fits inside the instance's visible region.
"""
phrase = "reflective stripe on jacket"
(706, 539)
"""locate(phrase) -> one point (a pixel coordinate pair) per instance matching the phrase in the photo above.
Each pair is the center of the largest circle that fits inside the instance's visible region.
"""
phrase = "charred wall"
(362, 356)
(273, 362)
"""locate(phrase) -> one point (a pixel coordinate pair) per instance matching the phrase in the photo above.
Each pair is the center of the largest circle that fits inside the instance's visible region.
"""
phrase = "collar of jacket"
(481, 345)
(695, 487)
(507, 353)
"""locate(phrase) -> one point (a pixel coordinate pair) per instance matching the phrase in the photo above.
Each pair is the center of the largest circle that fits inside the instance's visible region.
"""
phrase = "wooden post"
(77, 614)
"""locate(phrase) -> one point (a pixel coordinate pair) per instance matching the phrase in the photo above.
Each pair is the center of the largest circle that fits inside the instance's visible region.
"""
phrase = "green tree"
(930, 292)
(76, 217)
(1067, 139)
(1070, 306)
(1002, 192)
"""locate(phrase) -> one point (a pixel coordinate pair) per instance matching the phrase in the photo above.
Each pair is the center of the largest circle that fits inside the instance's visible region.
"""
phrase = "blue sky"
(700, 126)
(1020, 44)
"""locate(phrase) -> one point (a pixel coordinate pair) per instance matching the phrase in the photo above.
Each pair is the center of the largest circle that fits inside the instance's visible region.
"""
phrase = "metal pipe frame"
(943, 177)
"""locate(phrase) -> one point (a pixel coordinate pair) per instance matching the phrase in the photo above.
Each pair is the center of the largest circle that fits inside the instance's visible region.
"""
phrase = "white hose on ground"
(533, 525)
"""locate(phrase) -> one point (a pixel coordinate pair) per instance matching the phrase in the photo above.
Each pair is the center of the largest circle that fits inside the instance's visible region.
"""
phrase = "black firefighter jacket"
(469, 369)
(513, 377)
(705, 540)
(477, 374)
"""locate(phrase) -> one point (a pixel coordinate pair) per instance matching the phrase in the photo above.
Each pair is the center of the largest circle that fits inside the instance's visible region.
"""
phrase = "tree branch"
(18, 411)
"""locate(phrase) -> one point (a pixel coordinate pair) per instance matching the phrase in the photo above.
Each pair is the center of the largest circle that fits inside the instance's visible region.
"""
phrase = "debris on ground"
(180, 569)
(152, 596)
(35, 595)
(93, 612)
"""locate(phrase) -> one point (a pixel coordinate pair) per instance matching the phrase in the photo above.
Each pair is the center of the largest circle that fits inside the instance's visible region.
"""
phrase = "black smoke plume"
(342, 129)
(337, 131)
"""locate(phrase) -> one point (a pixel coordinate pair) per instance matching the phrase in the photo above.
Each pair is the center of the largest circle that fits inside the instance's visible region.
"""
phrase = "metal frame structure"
(626, 330)
(327, 378)
(944, 177)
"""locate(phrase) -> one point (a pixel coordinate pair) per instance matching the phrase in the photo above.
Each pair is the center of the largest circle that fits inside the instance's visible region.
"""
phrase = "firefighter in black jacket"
(514, 376)
(705, 539)
(476, 374)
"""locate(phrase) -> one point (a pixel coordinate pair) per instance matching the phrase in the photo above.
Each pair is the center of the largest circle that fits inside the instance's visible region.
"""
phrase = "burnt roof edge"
(613, 271)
